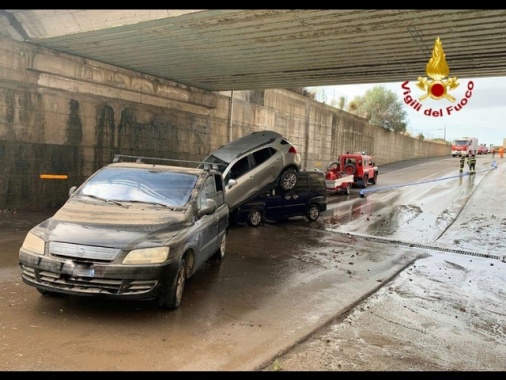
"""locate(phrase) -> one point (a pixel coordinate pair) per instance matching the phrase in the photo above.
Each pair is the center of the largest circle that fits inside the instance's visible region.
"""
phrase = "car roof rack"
(163, 161)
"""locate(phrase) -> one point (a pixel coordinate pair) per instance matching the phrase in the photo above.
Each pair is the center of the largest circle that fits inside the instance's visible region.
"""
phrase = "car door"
(240, 191)
(297, 198)
(207, 225)
(266, 166)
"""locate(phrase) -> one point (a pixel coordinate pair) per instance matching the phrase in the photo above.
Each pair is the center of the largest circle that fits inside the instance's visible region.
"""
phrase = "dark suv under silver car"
(308, 198)
(132, 230)
(255, 163)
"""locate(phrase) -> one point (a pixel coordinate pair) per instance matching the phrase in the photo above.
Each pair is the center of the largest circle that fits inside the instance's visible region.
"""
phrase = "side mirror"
(231, 183)
(72, 190)
(208, 208)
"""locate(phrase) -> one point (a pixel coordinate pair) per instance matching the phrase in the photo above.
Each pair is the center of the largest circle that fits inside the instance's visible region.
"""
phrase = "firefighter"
(462, 162)
(471, 161)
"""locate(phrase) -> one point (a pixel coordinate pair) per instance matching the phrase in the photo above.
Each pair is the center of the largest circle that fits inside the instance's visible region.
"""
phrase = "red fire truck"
(464, 146)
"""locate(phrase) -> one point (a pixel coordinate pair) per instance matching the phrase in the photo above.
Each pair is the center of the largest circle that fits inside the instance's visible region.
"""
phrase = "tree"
(380, 107)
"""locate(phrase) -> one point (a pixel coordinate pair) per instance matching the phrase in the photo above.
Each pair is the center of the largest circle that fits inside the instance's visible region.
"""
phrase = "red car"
(361, 166)
(482, 149)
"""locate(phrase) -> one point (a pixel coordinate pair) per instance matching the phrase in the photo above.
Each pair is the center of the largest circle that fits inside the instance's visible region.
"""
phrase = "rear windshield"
(212, 159)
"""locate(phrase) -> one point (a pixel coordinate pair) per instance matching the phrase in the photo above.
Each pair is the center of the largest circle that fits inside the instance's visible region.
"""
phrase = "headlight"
(33, 244)
(147, 256)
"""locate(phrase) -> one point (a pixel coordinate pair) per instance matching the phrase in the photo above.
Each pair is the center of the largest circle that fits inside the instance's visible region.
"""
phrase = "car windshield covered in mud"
(133, 230)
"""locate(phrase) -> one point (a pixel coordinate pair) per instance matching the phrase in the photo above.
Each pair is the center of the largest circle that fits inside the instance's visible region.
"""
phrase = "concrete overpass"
(220, 50)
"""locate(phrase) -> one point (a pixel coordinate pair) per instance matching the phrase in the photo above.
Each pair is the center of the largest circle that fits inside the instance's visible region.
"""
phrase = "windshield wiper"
(105, 200)
(154, 203)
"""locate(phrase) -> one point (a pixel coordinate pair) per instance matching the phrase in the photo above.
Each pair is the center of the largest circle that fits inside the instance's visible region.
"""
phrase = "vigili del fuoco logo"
(437, 87)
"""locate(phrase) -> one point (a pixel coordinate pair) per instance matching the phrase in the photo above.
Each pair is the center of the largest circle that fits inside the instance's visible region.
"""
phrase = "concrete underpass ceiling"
(221, 50)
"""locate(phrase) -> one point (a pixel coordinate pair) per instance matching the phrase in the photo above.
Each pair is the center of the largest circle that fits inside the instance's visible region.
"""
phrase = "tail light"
(292, 150)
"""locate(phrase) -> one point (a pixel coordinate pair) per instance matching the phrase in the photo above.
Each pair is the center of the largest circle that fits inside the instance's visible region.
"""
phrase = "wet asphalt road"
(276, 286)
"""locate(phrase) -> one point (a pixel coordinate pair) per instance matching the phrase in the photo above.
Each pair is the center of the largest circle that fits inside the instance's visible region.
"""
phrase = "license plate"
(84, 272)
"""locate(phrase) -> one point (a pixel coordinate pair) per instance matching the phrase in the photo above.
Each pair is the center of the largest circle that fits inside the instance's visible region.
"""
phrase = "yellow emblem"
(437, 69)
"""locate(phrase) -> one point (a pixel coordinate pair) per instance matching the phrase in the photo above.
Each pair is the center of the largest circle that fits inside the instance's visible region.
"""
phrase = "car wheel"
(347, 189)
(313, 212)
(218, 256)
(374, 179)
(170, 298)
(288, 179)
(349, 169)
(254, 217)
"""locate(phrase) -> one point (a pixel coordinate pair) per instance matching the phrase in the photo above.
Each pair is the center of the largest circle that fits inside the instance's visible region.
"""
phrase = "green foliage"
(380, 107)
(421, 136)
(440, 140)
(303, 91)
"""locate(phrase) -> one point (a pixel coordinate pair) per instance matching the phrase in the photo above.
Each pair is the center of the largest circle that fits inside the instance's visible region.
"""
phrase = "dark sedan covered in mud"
(133, 230)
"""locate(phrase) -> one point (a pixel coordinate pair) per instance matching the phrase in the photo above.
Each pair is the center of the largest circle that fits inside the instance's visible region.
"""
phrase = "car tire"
(219, 255)
(374, 179)
(333, 165)
(349, 169)
(170, 298)
(313, 212)
(288, 179)
(254, 217)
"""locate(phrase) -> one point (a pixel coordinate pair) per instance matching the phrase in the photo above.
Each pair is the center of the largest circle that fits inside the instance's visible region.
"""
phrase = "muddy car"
(308, 198)
(254, 164)
(132, 230)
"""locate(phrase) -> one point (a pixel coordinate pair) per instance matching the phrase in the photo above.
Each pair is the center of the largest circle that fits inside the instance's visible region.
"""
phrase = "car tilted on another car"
(132, 230)
(254, 164)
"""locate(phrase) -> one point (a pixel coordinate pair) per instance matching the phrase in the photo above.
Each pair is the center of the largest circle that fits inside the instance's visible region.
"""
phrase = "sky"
(478, 109)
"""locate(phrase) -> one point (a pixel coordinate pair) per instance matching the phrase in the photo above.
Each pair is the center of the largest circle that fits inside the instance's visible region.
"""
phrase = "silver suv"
(133, 230)
(254, 164)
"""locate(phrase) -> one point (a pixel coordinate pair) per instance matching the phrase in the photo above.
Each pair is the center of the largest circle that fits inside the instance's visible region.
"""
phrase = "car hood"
(110, 225)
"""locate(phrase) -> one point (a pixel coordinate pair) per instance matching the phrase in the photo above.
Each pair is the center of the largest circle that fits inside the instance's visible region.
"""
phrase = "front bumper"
(95, 279)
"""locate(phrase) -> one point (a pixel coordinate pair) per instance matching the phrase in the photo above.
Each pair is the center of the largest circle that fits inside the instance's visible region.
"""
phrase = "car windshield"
(212, 159)
(137, 185)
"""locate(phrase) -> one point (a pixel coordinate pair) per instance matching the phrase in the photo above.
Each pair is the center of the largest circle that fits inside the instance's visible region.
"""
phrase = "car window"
(213, 189)
(220, 196)
(208, 191)
(239, 168)
(263, 155)
(222, 165)
(317, 182)
(302, 183)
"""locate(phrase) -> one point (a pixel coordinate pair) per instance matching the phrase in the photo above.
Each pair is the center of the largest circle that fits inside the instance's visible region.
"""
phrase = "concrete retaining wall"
(65, 115)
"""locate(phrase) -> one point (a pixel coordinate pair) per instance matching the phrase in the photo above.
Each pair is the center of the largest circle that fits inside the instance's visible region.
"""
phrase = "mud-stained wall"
(66, 115)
